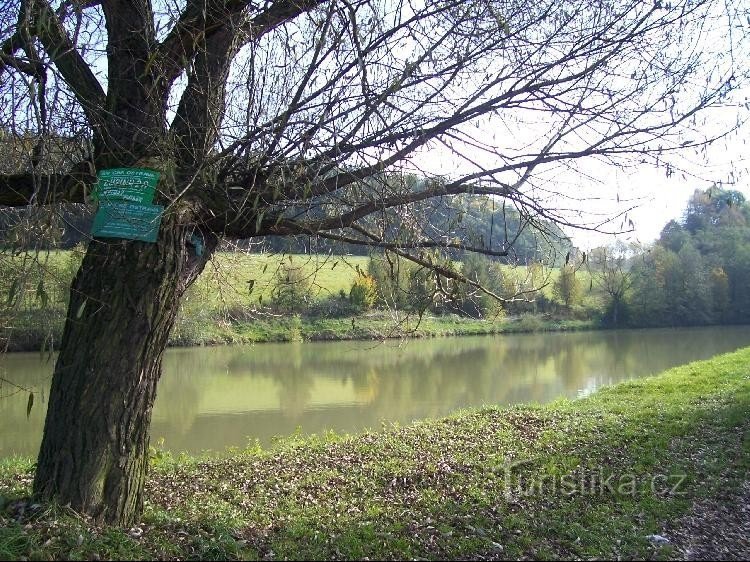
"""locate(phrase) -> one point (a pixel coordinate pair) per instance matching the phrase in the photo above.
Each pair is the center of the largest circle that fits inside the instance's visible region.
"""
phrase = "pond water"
(214, 398)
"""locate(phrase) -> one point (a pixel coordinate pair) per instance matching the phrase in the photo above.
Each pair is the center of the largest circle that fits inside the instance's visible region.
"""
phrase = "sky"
(591, 190)
(594, 190)
(659, 199)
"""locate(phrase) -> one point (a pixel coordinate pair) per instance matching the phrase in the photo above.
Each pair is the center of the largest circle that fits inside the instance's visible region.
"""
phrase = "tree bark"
(123, 304)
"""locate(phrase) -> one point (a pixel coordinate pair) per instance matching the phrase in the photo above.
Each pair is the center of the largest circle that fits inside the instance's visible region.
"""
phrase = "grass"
(203, 330)
(224, 283)
(590, 478)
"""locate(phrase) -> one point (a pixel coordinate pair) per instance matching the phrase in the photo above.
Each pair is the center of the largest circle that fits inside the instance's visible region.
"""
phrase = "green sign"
(126, 184)
(133, 221)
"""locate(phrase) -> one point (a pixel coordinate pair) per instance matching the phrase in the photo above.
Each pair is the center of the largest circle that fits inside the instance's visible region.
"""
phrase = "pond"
(214, 398)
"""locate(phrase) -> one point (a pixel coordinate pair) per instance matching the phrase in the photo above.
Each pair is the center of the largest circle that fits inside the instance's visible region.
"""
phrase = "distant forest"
(475, 221)
(697, 273)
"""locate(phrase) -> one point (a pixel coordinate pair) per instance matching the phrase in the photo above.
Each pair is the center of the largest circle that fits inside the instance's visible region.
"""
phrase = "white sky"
(660, 199)
(597, 190)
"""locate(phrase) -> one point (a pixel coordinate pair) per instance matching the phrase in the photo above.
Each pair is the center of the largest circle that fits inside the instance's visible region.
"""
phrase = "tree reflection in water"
(212, 398)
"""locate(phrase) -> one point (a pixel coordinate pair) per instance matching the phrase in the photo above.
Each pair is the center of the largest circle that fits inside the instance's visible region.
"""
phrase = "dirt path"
(715, 529)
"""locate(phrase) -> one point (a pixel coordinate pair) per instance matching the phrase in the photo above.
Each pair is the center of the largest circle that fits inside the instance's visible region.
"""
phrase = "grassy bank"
(574, 479)
(38, 330)
(371, 326)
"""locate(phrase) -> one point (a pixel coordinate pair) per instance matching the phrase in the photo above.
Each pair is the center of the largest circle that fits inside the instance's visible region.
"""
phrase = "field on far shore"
(229, 303)
(225, 281)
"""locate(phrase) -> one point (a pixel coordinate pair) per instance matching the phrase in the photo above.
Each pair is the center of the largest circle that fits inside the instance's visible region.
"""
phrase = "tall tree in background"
(278, 117)
(611, 273)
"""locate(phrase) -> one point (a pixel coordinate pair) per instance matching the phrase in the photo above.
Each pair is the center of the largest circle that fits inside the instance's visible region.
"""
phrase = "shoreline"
(197, 332)
(377, 326)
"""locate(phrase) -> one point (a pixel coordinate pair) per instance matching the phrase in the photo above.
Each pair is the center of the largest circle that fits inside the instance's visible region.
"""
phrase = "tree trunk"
(123, 304)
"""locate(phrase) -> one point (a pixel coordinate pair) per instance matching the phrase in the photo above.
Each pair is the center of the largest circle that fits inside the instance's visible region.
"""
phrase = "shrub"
(295, 328)
(404, 285)
(474, 302)
(332, 306)
(530, 323)
(567, 287)
(364, 292)
(292, 289)
(391, 275)
(421, 289)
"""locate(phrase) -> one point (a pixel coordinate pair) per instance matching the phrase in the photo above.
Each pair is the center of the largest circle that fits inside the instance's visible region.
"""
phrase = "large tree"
(292, 117)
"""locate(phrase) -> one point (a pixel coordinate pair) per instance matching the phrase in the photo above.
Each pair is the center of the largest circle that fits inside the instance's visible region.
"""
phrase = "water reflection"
(212, 398)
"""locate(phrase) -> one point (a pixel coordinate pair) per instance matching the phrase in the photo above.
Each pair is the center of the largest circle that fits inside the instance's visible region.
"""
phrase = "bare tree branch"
(200, 20)
(63, 53)
(20, 190)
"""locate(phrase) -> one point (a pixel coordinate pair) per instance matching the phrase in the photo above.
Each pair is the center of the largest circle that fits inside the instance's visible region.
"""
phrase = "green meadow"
(229, 303)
